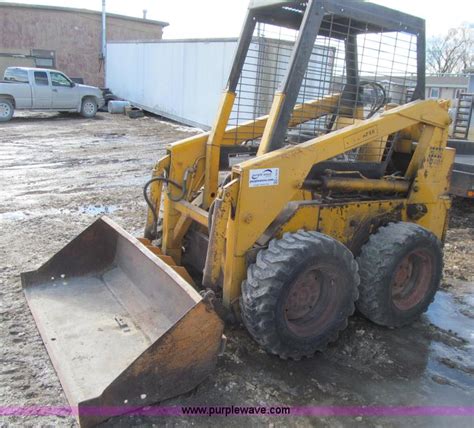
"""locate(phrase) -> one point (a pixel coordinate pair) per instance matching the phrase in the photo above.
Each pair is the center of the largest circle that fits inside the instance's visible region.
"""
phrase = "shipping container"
(183, 79)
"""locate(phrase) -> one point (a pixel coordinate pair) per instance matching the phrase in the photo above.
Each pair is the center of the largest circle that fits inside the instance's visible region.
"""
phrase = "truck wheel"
(400, 271)
(6, 110)
(299, 294)
(89, 107)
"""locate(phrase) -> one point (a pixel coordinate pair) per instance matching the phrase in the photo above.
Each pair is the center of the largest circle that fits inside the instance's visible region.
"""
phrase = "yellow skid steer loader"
(322, 187)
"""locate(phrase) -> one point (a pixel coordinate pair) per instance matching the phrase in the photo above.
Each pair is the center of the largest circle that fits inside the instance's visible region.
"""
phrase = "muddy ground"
(58, 173)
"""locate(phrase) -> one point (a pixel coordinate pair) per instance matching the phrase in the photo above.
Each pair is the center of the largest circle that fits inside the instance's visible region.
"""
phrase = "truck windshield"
(16, 75)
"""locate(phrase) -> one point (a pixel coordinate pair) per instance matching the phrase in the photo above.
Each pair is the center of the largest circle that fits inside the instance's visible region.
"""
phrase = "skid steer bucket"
(123, 328)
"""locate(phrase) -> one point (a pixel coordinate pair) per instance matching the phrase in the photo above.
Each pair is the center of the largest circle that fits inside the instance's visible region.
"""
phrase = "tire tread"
(386, 244)
(266, 278)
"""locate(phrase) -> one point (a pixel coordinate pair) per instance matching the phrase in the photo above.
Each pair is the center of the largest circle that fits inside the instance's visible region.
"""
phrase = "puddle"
(448, 364)
(98, 209)
(92, 210)
(13, 216)
(109, 135)
(30, 214)
(427, 363)
(446, 313)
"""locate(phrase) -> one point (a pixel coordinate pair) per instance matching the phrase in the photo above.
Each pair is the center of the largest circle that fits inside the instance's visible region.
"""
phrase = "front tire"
(400, 270)
(89, 108)
(299, 294)
(6, 110)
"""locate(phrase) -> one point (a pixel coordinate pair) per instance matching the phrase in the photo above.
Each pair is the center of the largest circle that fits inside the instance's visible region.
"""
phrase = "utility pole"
(104, 39)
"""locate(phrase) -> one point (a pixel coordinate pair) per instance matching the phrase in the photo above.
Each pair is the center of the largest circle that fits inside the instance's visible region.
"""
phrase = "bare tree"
(453, 52)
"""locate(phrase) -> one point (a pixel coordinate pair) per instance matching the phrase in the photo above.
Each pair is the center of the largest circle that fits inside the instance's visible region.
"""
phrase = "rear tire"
(6, 110)
(299, 294)
(400, 270)
(89, 108)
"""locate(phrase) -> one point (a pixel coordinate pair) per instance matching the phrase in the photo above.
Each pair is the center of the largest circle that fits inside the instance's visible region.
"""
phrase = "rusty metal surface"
(121, 326)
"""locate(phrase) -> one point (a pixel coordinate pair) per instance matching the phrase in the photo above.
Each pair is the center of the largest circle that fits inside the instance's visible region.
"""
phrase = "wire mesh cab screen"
(365, 58)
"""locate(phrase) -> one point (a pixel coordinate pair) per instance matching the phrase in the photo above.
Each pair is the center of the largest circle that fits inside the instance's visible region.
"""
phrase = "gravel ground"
(60, 172)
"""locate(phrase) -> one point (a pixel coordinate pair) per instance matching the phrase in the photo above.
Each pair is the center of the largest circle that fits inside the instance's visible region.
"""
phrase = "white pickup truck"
(47, 90)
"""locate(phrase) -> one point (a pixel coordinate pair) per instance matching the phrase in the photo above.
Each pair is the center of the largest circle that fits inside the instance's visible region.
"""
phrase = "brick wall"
(74, 36)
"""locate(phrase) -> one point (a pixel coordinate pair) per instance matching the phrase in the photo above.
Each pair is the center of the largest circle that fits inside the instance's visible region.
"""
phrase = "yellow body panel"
(271, 123)
(213, 146)
(218, 232)
(344, 221)
(263, 204)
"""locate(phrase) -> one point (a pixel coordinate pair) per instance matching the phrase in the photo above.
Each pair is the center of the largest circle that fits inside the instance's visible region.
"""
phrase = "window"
(58, 79)
(44, 62)
(16, 75)
(41, 78)
(44, 58)
(434, 92)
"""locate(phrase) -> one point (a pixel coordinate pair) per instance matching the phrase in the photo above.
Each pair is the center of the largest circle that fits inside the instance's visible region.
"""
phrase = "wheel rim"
(311, 300)
(411, 279)
(89, 108)
(5, 110)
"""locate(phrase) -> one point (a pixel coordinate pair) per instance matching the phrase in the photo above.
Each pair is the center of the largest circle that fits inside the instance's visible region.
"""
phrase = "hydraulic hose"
(149, 202)
(166, 180)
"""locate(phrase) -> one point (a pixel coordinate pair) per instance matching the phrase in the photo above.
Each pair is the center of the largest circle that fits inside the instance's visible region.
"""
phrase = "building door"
(65, 92)
(42, 98)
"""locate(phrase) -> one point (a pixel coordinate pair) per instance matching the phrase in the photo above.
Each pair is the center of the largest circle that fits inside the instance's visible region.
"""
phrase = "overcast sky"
(223, 18)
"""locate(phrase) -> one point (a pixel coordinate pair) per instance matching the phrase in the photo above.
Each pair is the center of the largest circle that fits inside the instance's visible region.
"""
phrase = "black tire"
(6, 110)
(400, 270)
(89, 107)
(299, 294)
